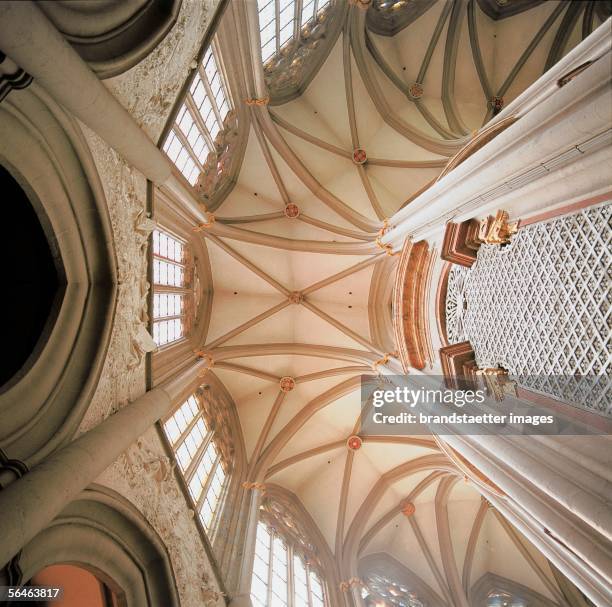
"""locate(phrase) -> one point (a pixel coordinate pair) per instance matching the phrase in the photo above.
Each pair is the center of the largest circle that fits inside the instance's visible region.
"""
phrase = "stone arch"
(105, 534)
(113, 36)
(45, 152)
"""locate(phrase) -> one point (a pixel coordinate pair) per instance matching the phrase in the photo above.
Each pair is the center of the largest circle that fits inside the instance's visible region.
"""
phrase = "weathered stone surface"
(144, 474)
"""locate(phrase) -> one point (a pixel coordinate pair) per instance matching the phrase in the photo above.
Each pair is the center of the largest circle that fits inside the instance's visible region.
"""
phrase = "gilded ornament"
(497, 230)
(253, 101)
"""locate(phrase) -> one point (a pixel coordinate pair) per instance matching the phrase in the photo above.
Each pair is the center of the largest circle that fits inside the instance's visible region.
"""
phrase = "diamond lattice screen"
(539, 306)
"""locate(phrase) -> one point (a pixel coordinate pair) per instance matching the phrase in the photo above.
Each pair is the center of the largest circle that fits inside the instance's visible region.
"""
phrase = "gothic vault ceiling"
(308, 297)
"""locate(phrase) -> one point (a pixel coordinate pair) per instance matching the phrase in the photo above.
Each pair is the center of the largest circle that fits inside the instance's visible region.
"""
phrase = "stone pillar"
(243, 597)
(557, 150)
(30, 503)
(556, 491)
(30, 40)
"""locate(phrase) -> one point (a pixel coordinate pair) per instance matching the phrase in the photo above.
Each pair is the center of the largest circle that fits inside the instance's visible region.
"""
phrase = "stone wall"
(144, 474)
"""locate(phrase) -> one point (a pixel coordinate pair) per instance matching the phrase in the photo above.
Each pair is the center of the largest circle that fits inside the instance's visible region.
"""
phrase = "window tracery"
(174, 288)
(501, 598)
(204, 126)
(382, 591)
(286, 569)
(204, 453)
(295, 37)
(281, 21)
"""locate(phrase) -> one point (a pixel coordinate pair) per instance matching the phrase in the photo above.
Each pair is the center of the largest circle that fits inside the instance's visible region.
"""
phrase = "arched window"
(501, 598)
(382, 591)
(282, 21)
(201, 123)
(203, 454)
(174, 288)
(285, 570)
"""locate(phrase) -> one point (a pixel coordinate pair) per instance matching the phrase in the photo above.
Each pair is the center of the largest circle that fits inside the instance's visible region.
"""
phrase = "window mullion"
(185, 142)
(159, 289)
(308, 590)
(187, 430)
(277, 24)
(290, 581)
(189, 472)
(173, 317)
(211, 98)
(297, 24)
(190, 103)
(271, 565)
(168, 260)
(207, 484)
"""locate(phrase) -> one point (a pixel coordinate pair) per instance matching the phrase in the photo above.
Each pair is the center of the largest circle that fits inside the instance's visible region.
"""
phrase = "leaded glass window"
(199, 458)
(173, 284)
(282, 576)
(281, 21)
(199, 120)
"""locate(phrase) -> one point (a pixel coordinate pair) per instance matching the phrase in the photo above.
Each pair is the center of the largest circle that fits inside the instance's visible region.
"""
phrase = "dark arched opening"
(31, 278)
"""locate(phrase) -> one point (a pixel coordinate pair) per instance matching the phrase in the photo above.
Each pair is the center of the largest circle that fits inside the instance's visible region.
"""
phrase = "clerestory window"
(199, 121)
(382, 590)
(200, 458)
(173, 288)
(282, 576)
(281, 21)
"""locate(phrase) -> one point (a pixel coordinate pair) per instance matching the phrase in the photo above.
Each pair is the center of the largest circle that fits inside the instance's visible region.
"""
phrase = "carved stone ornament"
(354, 443)
(286, 520)
(218, 160)
(416, 90)
(208, 360)
(389, 17)
(288, 71)
(141, 340)
(287, 384)
(217, 416)
(359, 156)
(296, 297)
(145, 476)
(292, 211)
(363, 4)
(408, 509)
(11, 76)
(497, 103)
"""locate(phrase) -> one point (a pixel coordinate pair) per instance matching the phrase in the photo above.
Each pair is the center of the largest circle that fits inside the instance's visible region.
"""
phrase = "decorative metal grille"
(539, 307)
(456, 304)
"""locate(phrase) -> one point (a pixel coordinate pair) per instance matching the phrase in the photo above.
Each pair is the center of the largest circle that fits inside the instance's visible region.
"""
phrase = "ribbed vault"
(301, 280)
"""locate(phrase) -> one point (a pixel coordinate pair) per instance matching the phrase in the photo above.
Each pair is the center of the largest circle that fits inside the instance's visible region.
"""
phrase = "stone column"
(30, 503)
(557, 150)
(243, 597)
(556, 491)
(29, 39)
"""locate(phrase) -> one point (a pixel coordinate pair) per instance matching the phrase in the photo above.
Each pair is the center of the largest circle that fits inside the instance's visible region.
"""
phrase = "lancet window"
(281, 21)
(203, 455)
(197, 135)
(382, 591)
(286, 571)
